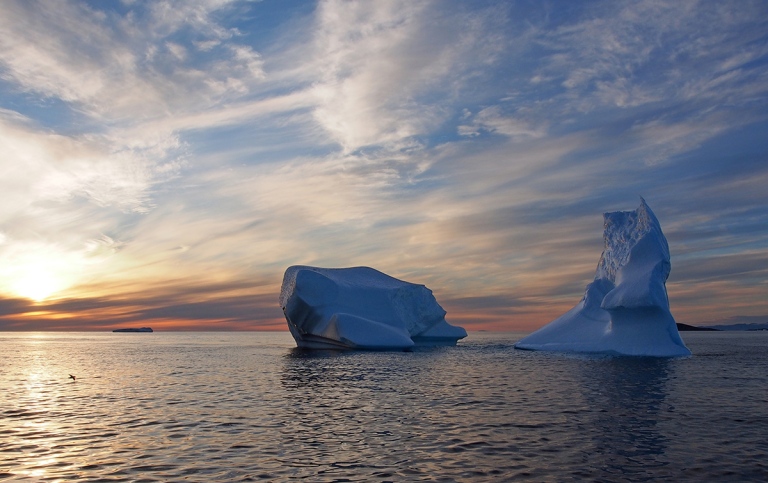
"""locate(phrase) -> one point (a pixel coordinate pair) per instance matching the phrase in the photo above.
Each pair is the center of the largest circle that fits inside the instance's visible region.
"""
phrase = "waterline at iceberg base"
(361, 308)
(625, 310)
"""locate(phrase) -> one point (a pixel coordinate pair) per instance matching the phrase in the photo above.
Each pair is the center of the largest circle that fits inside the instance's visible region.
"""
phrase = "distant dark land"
(686, 327)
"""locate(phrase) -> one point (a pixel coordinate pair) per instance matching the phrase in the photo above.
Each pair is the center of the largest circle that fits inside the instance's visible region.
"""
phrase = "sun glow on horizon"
(35, 281)
(36, 286)
(38, 273)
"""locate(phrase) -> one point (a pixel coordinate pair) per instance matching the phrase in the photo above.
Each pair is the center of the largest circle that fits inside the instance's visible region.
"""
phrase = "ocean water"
(249, 407)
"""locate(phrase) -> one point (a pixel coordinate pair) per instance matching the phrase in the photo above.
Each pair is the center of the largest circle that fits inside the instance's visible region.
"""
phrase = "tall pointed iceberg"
(625, 310)
(361, 308)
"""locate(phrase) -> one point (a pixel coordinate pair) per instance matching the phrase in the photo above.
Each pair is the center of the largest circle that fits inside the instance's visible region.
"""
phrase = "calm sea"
(248, 406)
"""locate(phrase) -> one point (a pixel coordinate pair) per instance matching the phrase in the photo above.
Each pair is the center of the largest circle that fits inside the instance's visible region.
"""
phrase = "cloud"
(125, 68)
(382, 77)
(492, 120)
(42, 166)
(202, 306)
(637, 53)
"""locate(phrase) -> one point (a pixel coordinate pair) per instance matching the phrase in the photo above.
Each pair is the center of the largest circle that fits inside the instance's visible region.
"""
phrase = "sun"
(36, 285)
(37, 274)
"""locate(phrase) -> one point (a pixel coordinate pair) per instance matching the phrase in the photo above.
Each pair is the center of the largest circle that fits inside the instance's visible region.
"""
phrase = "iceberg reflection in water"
(246, 406)
(631, 394)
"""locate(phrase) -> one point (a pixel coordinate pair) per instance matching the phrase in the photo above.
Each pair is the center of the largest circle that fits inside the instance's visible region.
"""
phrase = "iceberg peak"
(625, 310)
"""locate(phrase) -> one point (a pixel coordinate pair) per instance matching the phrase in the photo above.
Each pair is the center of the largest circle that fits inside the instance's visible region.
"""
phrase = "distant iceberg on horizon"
(625, 310)
(134, 329)
(361, 308)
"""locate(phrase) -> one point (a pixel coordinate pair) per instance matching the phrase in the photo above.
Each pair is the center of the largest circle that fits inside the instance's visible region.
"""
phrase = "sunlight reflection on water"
(244, 407)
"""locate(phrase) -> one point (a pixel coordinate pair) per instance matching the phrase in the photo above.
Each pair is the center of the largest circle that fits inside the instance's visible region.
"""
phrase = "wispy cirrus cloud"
(383, 67)
(637, 53)
(125, 68)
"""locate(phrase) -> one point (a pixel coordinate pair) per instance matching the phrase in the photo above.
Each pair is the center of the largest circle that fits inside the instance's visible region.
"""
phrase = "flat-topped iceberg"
(361, 308)
(134, 329)
(625, 310)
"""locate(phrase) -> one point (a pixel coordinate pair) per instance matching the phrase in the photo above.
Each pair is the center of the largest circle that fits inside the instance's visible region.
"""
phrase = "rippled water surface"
(248, 406)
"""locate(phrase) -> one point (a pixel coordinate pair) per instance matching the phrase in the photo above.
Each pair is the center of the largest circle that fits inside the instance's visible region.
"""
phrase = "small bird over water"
(72, 377)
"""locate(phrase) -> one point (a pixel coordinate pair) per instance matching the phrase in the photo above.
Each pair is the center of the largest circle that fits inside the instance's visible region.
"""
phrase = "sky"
(163, 162)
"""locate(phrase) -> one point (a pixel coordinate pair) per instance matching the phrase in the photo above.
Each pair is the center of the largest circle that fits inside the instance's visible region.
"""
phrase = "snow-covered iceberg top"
(625, 310)
(361, 308)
